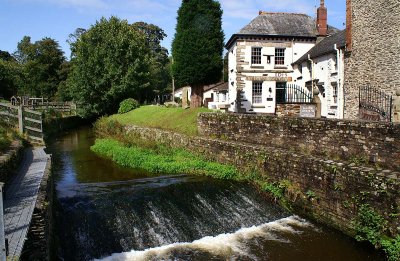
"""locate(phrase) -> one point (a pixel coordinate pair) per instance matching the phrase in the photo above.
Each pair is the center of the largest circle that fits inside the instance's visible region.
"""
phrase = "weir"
(112, 213)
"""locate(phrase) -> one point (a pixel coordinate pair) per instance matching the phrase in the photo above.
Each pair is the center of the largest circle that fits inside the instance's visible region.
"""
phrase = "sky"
(59, 18)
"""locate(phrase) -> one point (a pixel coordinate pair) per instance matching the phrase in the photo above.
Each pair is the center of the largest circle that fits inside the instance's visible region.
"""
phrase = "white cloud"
(93, 4)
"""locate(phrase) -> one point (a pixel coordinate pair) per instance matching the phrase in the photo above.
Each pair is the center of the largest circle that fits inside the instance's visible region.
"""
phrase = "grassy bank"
(7, 135)
(174, 119)
(162, 160)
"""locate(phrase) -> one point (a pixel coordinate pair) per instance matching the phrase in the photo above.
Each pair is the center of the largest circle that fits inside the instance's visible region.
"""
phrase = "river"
(107, 212)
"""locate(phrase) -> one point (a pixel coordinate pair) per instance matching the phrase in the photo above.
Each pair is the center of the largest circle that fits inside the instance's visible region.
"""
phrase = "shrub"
(127, 105)
(105, 127)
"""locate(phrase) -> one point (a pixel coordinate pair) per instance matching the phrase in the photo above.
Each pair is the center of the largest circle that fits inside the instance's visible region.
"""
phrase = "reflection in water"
(114, 213)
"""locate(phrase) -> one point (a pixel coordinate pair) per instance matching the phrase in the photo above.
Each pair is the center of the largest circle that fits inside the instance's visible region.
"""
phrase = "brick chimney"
(322, 19)
(348, 26)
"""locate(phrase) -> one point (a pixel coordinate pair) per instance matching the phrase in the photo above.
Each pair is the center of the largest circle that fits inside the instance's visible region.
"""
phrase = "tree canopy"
(158, 63)
(40, 63)
(198, 45)
(111, 63)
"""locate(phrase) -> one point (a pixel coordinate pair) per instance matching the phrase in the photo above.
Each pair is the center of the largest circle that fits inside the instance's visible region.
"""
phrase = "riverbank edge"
(41, 240)
(256, 164)
(39, 244)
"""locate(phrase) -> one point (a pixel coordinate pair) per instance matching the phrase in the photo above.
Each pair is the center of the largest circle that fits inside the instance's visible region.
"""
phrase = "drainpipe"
(340, 89)
(312, 75)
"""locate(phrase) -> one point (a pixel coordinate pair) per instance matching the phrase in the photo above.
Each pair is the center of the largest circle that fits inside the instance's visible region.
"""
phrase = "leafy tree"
(10, 78)
(41, 62)
(159, 70)
(110, 64)
(6, 56)
(73, 38)
(197, 47)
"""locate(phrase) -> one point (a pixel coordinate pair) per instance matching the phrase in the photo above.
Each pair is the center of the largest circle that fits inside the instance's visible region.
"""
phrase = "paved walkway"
(20, 198)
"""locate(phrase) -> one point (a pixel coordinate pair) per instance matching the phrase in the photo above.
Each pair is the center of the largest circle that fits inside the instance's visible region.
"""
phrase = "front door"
(281, 92)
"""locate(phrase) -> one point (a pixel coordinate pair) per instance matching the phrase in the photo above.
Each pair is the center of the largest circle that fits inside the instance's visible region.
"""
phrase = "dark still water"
(111, 213)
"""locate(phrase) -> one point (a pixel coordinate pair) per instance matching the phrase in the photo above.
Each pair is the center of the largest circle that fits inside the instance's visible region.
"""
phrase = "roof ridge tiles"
(267, 13)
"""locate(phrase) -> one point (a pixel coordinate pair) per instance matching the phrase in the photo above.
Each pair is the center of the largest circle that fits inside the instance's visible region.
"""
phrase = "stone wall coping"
(339, 121)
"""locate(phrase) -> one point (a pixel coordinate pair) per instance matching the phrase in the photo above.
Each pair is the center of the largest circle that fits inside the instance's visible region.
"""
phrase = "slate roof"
(280, 24)
(221, 86)
(326, 46)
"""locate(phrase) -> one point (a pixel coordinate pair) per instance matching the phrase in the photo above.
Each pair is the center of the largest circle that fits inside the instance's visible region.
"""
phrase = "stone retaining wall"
(375, 143)
(326, 190)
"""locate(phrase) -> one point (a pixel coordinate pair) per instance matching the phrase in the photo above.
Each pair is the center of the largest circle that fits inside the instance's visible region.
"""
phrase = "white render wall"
(326, 70)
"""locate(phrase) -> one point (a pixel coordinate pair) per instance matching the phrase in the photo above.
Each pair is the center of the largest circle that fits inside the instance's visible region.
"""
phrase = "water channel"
(108, 212)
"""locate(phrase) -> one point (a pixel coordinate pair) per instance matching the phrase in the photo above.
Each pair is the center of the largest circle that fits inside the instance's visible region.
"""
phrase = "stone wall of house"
(374, 143)
(289, 110)
(325, 190)
(375, 46)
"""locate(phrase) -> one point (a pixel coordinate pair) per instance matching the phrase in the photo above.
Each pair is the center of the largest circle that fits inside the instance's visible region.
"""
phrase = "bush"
(127, 105)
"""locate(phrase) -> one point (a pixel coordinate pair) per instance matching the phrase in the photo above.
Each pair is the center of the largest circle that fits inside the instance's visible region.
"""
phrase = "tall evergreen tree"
(197, 47)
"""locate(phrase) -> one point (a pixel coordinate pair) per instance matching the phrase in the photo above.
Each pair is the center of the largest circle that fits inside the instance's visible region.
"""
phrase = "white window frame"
(256, 92)
(256, 54)
(280, 56)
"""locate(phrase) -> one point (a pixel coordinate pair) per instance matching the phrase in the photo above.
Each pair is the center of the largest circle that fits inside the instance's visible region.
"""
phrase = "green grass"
(6, 137)
(162, 160)
(174, 119)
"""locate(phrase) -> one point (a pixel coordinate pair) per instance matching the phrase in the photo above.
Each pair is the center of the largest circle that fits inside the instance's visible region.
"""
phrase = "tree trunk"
(196, 98)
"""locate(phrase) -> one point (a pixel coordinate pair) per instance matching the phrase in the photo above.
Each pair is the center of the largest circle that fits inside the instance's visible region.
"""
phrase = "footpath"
(20, 198)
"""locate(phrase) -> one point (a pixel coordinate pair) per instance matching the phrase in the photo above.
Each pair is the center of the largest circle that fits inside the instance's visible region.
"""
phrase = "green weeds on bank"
(162, 160)
(371, 226)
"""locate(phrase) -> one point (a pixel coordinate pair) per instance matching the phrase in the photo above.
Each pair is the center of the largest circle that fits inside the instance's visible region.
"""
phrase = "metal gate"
(374, 104)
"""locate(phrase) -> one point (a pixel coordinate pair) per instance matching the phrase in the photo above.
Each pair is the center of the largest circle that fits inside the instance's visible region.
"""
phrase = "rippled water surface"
(113, 213)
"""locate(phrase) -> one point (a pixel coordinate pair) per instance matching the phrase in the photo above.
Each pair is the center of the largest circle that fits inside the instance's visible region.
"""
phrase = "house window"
(256, 55)
(257, 92)
(335, 91)
(279, 56)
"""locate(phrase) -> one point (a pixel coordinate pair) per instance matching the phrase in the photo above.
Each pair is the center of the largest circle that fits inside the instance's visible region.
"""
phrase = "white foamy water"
(224, 245)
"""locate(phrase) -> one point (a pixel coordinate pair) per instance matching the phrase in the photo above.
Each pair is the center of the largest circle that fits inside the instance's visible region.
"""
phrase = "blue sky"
(58, 18)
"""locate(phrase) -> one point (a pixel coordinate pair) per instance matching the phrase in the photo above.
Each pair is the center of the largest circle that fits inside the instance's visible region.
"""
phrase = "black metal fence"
(292, 93)
(374, 104)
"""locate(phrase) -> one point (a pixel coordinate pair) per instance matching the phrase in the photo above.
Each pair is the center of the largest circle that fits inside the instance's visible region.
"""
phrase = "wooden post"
(20, 119)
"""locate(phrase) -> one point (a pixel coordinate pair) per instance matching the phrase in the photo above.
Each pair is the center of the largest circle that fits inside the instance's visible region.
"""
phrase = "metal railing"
(292, 93)
(374, 104)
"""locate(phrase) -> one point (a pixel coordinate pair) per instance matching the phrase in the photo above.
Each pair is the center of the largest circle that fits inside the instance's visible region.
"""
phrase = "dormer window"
(279, 56)
(256, 55)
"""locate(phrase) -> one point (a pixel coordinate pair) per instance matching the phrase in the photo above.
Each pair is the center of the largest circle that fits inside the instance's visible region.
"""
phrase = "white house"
(323, 67)
(261, 55)
(215, 96)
